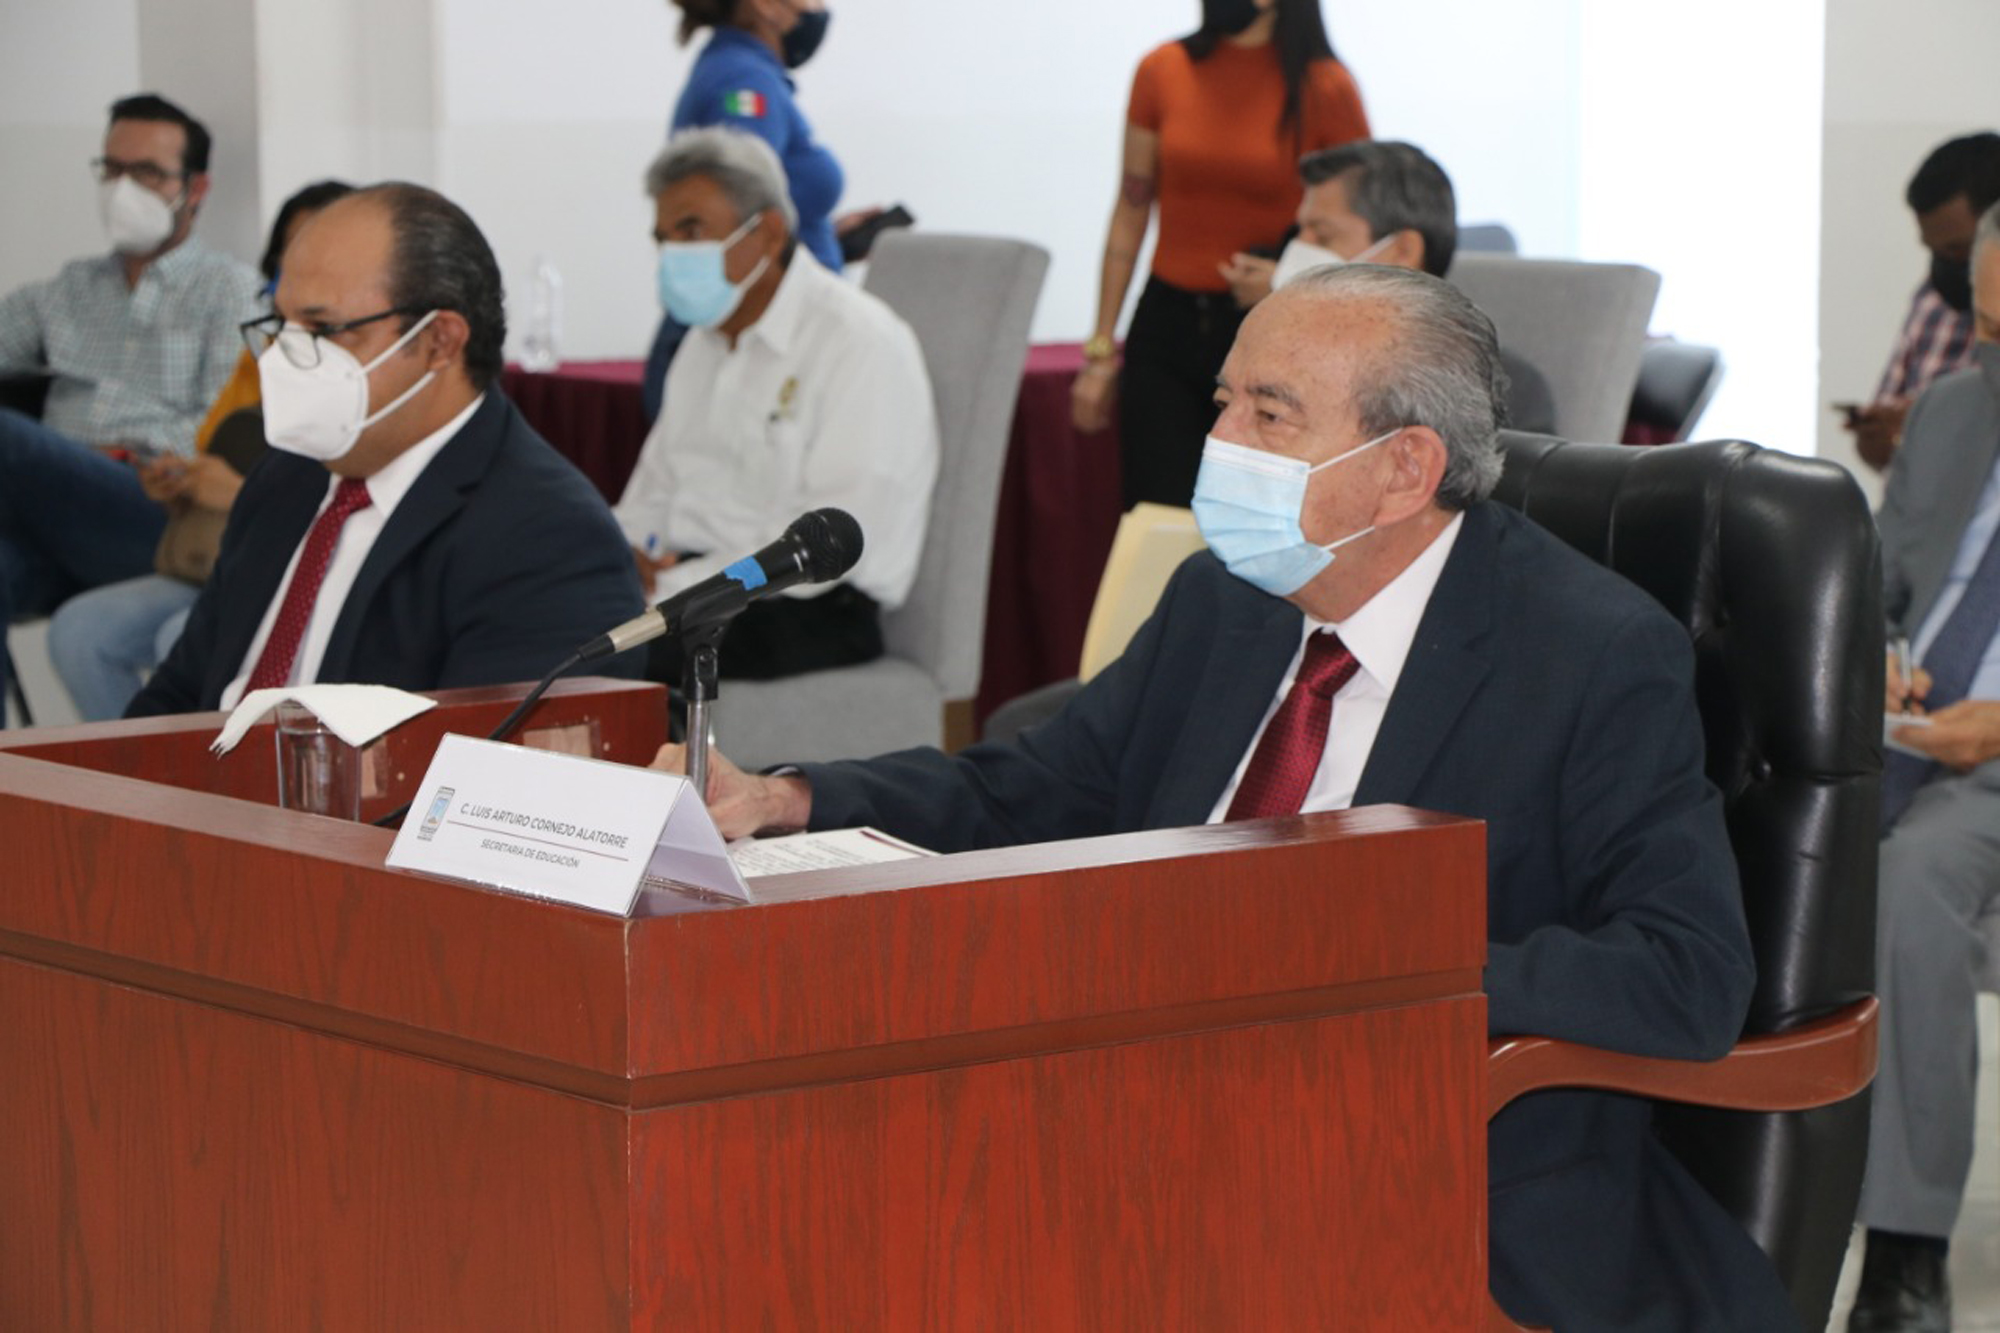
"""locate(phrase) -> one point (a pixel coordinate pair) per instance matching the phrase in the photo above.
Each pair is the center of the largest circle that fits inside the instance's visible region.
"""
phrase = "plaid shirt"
(131, 364)
(1936, 340)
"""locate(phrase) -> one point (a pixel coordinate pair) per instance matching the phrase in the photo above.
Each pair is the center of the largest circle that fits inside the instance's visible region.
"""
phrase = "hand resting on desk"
(744, 803)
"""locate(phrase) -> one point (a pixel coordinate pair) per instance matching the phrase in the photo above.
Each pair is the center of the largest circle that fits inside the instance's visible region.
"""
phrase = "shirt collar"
(170, 265)
(727, 36)
(387, 487)
(778, 327)
(1381, 632)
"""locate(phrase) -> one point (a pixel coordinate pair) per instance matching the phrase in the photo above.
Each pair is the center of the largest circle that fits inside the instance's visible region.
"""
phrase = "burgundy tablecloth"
(1059, 501)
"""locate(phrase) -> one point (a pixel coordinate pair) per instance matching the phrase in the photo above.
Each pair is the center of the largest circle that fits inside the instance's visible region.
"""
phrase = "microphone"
(818, 546)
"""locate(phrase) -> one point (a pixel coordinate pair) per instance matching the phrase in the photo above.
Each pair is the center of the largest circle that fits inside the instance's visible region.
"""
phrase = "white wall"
(1700, 159)
(346, 90)
(62, 64)
(1900, 80)
(201, 54)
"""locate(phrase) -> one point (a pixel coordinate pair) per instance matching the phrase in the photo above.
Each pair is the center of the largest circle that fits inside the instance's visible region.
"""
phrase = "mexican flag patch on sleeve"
(745, 103)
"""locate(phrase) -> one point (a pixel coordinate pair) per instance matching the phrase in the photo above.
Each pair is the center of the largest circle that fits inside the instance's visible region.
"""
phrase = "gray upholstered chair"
(1582, 325)
(1490, 238)
(970, 300)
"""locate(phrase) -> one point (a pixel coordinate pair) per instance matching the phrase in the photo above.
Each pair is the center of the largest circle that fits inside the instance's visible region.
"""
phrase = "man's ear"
(1404, 250)
(1417, 460)
(196, 190)
(444, 339)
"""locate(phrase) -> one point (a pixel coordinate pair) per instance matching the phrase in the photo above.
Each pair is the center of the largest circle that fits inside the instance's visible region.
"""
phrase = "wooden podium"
(1227, 1077)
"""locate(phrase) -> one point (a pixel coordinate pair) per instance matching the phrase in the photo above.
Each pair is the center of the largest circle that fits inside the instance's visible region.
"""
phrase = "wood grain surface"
(252, 1079)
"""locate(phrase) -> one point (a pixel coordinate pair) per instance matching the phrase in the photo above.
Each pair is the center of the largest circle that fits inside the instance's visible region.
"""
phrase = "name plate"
(556, 826)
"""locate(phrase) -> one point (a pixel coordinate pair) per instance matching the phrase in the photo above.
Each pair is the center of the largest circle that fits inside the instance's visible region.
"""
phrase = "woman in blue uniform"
(742, 80)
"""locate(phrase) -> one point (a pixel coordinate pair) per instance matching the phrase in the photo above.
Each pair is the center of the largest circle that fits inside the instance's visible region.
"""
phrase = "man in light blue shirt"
(135, 344)
(1940, 852)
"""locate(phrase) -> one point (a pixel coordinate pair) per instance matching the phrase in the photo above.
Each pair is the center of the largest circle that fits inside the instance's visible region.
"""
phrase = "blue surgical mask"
(695, 287)
(1247, 504)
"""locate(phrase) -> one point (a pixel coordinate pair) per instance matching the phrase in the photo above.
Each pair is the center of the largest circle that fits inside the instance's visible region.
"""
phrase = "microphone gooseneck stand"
(698, 684)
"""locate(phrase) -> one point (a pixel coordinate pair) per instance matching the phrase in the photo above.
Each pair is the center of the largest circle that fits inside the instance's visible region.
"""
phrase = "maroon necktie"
(1288, 754)
(274, 667)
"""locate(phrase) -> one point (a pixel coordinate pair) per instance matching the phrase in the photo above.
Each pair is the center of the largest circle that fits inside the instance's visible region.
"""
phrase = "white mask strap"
(408, 393)
(1357, 449)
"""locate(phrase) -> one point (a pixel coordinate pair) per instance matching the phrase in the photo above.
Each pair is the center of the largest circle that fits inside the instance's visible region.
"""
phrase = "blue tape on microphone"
(748, 573)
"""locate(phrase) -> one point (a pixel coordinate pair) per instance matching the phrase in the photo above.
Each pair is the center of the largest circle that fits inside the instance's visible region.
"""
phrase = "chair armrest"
(1823, 1062)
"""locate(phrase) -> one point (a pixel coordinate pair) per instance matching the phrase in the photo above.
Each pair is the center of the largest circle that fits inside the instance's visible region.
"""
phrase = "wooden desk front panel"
(1319, 1174)
(177, 1166)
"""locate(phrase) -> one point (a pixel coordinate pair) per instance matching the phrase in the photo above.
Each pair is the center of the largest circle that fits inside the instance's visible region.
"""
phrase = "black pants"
(1166, 391)
(784, 636)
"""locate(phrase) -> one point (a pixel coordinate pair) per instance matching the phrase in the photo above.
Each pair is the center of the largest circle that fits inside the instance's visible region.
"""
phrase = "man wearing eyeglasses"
(408, 527)
(135, 344)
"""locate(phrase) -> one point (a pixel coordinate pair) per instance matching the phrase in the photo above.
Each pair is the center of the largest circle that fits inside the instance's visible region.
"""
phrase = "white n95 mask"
(136, 220)
(1301, 254)
(319, 411)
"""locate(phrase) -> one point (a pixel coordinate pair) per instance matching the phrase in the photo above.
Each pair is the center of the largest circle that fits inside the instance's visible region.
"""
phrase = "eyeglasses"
(299, 342)
(149, 174)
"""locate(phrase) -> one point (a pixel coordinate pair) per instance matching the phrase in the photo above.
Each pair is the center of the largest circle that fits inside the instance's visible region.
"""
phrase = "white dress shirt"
(823, 401)
(1379, 635)
(386, 490)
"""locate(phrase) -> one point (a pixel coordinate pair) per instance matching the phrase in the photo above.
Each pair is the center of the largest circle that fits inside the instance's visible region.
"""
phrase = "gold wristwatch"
(1100, 348)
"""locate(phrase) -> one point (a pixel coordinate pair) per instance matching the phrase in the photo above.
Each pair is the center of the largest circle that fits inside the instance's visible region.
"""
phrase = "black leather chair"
(1676, 382)
(1771, 563)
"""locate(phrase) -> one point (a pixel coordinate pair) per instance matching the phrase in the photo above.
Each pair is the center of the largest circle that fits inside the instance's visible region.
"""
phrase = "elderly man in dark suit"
(1940, 819)
(1448, 654)
(407, 528)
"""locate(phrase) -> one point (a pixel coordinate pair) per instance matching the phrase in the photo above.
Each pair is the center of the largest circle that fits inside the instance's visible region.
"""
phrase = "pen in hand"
(1899, 653)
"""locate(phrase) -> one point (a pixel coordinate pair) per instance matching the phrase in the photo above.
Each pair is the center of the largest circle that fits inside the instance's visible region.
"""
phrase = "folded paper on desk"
(355, 713)
(797, 852)
(556, 826)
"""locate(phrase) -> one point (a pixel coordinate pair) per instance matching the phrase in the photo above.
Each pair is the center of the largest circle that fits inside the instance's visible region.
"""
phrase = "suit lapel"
(1968, 463)
(438, 493)
(1448, 661)
(1238, 683)
(270, 536)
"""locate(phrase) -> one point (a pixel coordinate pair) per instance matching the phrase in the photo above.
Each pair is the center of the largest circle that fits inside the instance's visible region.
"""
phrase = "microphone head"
(830, 540)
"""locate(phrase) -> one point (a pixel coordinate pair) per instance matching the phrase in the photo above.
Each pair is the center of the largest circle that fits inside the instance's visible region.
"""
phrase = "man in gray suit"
(1941, 820)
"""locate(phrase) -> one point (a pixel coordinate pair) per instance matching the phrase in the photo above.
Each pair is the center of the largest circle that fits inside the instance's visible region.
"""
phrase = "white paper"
(557, 826)
(1892, 722)
(355, 713)
(819, 851)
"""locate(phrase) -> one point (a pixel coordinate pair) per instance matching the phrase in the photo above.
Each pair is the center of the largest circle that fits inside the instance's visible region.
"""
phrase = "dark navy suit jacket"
(1546, 696)
(496, 564)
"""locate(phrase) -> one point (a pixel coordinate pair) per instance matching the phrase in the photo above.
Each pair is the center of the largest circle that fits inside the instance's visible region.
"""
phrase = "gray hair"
(1985, 235)
(1441, 369)
(742, 165)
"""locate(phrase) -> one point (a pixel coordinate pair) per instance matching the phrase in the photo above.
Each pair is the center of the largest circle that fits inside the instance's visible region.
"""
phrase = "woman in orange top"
(1217, 123)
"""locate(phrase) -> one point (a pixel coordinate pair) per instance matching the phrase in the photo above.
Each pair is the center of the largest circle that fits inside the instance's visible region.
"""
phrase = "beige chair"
(1152, 542)
(970, 300)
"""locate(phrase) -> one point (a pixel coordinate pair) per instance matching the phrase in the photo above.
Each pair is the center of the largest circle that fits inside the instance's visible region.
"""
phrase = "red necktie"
(274, 667)
(1288, 754)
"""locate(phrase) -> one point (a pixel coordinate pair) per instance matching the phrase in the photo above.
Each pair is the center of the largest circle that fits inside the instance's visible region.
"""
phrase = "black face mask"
(1228, 17)
(1951, 279)
(798, 45)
